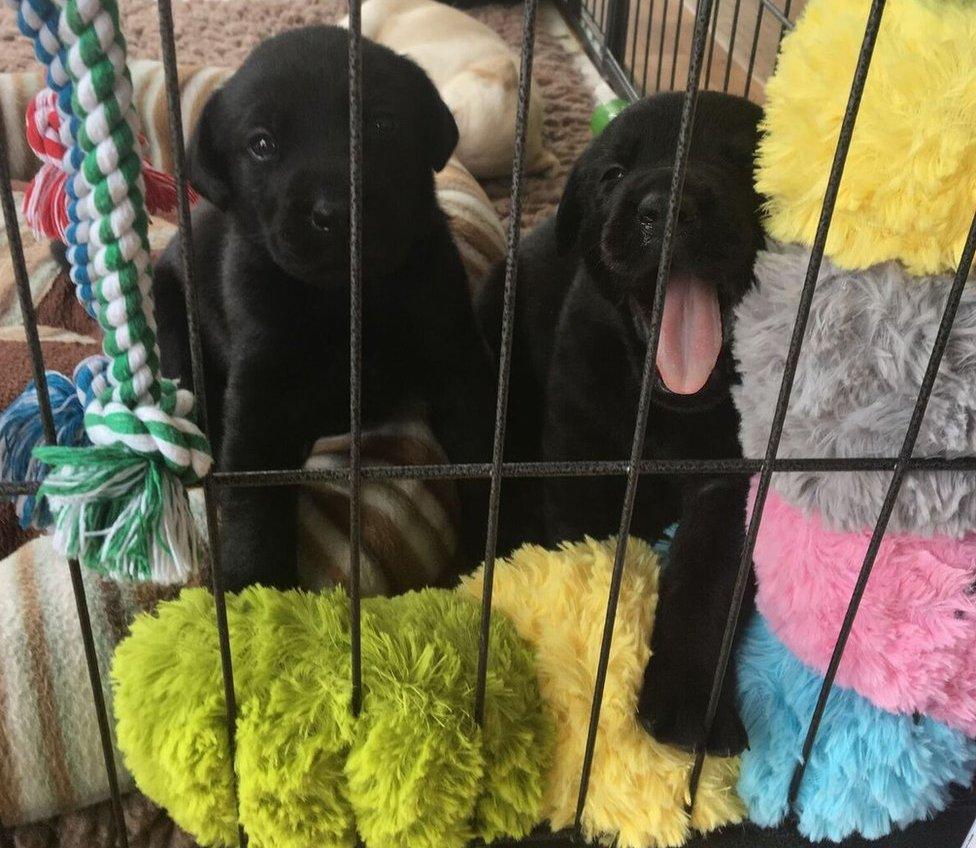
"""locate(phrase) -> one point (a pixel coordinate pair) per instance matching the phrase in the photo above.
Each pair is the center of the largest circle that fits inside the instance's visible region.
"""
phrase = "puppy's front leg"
(695, 593)
(462, 418)
(264, 430)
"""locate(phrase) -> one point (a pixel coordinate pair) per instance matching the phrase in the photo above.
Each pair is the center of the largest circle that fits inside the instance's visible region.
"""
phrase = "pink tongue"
(691, 335)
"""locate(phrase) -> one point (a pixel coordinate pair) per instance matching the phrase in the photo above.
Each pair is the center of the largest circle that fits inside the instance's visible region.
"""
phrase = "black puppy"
(271, 253)
(586, 289)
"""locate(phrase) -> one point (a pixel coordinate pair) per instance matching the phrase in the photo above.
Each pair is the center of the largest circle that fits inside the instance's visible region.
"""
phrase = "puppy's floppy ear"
(207, 157)
(441, 128)
(569, 216)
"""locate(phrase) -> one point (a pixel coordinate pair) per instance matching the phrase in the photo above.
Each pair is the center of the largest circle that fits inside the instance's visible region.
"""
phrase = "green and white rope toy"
(119, 505)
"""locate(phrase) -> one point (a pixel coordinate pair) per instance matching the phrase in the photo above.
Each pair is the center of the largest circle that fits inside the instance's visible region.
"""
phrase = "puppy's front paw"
(672, 708)
(252, 553)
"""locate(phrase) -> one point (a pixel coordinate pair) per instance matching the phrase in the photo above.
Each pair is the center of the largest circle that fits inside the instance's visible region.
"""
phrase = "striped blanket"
(50, 749)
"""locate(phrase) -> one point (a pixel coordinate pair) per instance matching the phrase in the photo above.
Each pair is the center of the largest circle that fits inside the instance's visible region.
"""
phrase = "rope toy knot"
(166, 430)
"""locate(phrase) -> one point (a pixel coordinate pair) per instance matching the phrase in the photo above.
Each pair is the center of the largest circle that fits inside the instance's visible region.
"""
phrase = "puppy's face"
(614, 210)
(272, 149)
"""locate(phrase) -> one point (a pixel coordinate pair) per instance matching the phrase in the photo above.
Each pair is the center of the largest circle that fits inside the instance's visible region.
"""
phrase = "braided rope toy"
(117, 504)
(46, 198)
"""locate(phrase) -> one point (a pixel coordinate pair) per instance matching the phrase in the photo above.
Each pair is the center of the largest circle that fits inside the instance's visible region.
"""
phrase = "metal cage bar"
(756, 36)
(647, 46)
(596, 468)
(660, 52)
(685, 131)
(164, 10)
(730, 50)
(505, 353)
(677, 43)
(711, 42)
(894, 487)
(789, 371)
(631, 68)
(355, 341)
(44, 402)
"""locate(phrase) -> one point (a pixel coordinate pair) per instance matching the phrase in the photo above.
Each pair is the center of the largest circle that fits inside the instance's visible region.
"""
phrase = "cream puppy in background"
(475, 72)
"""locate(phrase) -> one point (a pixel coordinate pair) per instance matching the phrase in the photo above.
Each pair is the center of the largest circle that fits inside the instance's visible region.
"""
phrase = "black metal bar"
(24, 293)
(602, 24)
(632, 68)
(647, 47)
(789, 372)
(50, 436)
(198, 370)
(685, 133)
(730, 51)
(711, 43)
(355, 339)
(782, 15)
(677, 44)
(584, 28)
(785, 23)
(505, 356)
(660, 52)
(617, 19)
(619, 79)
(595, 468)
(894, 487)
(98, 697)
(755, 46)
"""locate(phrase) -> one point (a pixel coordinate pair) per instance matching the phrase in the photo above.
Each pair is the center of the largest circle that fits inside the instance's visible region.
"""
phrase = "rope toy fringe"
(117, 504)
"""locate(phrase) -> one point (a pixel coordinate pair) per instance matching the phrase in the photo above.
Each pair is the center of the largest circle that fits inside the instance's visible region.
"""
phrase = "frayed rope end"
(121, 514)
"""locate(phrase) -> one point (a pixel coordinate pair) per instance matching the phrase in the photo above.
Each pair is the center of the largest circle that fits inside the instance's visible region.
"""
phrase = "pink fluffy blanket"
(913, 644)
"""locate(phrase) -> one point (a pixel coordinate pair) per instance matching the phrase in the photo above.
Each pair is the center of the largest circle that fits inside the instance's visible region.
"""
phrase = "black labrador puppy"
(585, 294)
(272, 266)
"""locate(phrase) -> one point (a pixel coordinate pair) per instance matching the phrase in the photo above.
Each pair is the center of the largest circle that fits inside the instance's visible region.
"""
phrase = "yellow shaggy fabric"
(638, 788)
(909, 187)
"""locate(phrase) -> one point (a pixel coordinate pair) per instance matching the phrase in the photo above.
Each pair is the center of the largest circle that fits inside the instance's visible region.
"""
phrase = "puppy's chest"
(316, 355)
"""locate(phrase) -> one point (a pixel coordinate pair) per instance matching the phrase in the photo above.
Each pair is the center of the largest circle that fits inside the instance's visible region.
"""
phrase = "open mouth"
(691, 334)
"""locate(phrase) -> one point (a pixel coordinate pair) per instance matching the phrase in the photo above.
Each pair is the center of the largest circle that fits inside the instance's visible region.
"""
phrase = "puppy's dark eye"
(612, 174)
(384, 125)
(262, 146)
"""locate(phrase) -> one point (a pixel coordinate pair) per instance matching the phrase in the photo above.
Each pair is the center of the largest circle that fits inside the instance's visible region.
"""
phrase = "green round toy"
(605, 113)
(413, 770)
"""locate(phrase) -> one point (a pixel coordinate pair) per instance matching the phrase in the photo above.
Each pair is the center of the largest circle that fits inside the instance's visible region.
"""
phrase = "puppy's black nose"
(653, 209)
(326, 216)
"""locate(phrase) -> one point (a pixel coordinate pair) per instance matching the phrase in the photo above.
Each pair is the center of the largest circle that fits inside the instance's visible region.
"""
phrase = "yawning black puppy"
(586, 289)
(271, 253)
